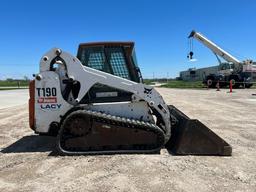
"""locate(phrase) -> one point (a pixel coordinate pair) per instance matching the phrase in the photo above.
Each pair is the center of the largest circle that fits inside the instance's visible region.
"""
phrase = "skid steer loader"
(96, 103)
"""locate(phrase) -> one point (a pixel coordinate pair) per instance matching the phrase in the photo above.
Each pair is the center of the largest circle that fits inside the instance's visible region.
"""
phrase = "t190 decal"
(47, 98)
(46, 92)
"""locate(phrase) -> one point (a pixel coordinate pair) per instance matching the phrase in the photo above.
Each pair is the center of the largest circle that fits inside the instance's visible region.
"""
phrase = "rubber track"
(118, 121)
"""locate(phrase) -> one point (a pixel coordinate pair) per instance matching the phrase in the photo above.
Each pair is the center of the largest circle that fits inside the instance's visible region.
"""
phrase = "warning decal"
(47, 100)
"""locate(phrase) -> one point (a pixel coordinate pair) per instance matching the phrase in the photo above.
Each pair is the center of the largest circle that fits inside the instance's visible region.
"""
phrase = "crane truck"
(240, 73)
(96, 103)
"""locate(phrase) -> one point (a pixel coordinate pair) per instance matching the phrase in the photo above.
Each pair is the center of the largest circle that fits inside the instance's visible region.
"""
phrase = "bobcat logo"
(147, 91)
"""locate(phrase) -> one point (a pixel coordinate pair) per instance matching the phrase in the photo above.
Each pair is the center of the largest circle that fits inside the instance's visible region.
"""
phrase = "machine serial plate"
(106, 94)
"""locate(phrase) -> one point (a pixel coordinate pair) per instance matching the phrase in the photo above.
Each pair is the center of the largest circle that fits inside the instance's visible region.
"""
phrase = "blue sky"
(159, 28)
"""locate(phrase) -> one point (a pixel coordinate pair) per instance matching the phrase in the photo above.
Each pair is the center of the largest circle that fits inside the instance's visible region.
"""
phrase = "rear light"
(32, 104)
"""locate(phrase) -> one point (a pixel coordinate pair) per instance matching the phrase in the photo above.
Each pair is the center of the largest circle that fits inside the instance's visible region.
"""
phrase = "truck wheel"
(235, 82)
(210, 83)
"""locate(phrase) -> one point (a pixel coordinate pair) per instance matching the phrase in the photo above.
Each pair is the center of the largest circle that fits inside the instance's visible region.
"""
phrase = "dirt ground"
(28, 164)
(11, 98)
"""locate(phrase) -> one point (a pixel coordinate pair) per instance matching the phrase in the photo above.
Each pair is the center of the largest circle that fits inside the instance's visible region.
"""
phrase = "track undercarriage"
(91, 132)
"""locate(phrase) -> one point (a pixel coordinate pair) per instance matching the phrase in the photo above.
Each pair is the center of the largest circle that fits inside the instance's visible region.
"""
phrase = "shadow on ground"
(32, 143)
(36, 143)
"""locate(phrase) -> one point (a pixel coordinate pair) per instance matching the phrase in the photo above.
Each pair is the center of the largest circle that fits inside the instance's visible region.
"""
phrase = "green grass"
(14, 83)
(10, 88)
(189, 85)
(148, 82)
(184, 84)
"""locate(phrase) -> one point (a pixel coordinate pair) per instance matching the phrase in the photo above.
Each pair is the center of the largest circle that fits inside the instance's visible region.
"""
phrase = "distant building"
(193, 74)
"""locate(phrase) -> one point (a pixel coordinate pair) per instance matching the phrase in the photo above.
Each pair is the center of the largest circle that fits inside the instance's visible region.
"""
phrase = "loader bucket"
(191, 137)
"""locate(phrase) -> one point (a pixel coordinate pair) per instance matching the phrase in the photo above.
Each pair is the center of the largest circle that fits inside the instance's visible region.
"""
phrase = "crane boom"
(212, 46)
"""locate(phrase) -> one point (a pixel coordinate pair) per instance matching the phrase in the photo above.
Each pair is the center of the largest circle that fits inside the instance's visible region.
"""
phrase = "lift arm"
(212, 46)
(88, 77)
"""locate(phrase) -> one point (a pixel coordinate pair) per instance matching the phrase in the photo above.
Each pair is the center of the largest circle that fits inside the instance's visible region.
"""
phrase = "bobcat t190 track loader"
(96, 103)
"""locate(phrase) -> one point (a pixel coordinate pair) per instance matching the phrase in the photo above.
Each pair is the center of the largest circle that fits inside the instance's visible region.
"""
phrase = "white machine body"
(50, 106)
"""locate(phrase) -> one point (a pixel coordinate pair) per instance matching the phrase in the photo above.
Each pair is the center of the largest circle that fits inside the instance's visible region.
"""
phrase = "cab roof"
(107, 43)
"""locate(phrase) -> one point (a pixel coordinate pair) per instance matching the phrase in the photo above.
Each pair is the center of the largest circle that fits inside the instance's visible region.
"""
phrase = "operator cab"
(117, 58)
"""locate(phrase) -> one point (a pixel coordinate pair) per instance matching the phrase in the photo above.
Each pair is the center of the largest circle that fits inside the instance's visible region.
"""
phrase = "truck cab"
(226, 68)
